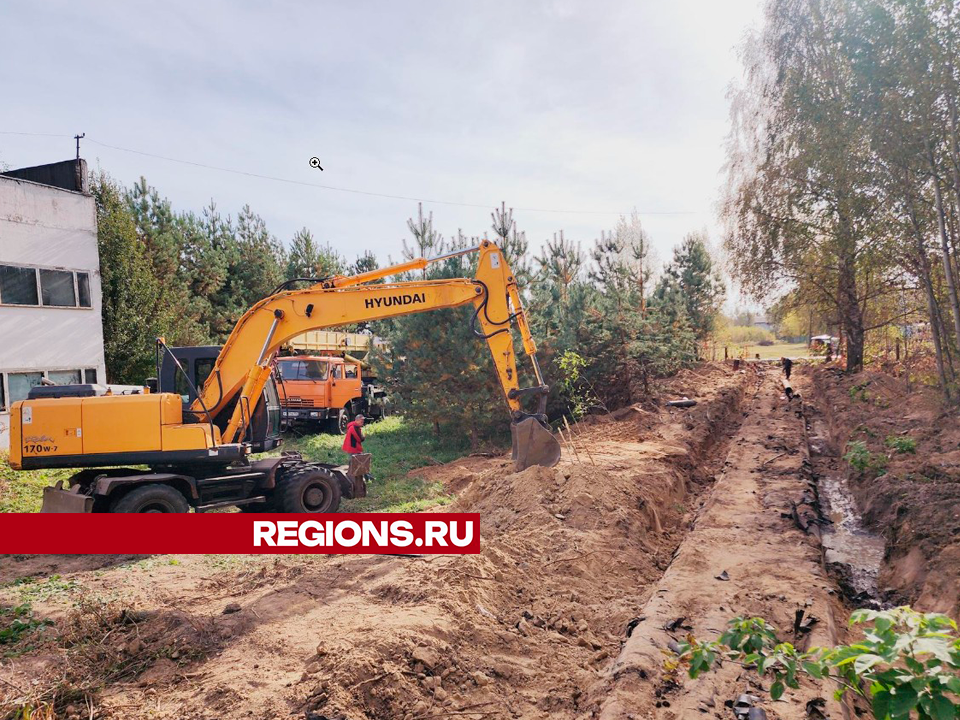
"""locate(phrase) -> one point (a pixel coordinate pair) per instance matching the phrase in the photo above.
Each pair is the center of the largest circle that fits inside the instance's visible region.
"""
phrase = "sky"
(571, 112)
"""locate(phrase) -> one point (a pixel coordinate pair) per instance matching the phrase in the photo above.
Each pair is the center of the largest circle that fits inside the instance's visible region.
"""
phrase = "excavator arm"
(244, 364)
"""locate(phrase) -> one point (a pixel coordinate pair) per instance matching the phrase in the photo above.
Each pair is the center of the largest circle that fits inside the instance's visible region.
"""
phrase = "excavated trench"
(657, 523)
(851, 552)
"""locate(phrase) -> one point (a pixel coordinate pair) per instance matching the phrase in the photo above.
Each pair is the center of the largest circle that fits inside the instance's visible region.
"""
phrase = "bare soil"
(914, 501)
(560, 615)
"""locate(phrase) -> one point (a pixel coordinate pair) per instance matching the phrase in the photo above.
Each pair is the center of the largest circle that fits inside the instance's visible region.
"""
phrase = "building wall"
(50, 228)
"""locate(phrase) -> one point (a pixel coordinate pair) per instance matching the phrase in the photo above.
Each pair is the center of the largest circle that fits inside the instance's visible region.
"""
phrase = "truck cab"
(320, 390)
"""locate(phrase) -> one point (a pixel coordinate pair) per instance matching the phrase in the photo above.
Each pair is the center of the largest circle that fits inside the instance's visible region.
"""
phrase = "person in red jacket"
(353, 442)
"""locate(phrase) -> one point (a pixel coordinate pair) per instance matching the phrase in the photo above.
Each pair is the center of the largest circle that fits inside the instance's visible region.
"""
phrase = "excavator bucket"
(533, 444)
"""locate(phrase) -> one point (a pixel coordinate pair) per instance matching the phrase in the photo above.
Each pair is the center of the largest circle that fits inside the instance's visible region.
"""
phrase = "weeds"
(859, 457)
(906, 665)
(32, 589)
(21, 491)
(902, 444)
(859, 392)
(18, 622)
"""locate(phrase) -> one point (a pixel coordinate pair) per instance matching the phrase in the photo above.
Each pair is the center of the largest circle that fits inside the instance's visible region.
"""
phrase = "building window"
(20, 384)
(18, 285)
(3, 401)
(64, 377)
(83, 289)
(44, 286)
(57, 288)
(90, 376)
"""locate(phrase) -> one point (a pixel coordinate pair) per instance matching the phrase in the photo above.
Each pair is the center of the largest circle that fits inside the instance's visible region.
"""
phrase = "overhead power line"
(354, 191)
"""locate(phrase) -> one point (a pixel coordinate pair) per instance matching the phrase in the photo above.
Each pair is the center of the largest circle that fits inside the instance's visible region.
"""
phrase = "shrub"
(859, 457)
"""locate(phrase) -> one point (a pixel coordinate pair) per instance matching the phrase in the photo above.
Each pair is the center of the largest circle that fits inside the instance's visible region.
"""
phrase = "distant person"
(787, 366)
(353, 442)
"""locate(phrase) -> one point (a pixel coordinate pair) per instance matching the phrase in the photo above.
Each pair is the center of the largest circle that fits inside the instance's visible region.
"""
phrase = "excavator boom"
(244, 364)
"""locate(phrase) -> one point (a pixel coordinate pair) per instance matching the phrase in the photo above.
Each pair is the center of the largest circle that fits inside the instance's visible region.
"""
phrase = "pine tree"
(427, 242)
(161, 233)
(692, 280)
(262, 257)
(131, 292)
(435, 356)
(308, 259)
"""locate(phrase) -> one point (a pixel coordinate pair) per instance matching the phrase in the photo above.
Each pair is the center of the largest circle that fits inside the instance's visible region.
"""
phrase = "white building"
(50, 301)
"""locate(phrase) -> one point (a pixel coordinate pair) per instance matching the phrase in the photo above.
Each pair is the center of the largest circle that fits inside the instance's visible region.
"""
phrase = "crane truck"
(199, 455)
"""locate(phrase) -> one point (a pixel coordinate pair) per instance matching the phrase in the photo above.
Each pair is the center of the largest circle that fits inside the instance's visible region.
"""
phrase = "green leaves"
(18, 622)
(907, 663)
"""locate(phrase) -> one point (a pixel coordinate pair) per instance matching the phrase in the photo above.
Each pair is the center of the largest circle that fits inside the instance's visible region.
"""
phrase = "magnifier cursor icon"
(315, 163)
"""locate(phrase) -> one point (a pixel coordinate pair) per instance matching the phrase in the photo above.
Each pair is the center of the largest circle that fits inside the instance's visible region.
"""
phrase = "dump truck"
(200, 455)
(326, 391)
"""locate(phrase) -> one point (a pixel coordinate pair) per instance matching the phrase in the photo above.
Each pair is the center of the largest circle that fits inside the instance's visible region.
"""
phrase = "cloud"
(557, 104)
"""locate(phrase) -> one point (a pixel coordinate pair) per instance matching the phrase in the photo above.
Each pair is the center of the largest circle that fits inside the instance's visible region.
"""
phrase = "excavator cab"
(195, 366)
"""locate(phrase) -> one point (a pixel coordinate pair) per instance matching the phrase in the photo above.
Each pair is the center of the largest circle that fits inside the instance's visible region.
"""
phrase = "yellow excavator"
(198, 450)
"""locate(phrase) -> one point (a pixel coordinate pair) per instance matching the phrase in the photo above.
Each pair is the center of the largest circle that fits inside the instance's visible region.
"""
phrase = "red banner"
(240, 533)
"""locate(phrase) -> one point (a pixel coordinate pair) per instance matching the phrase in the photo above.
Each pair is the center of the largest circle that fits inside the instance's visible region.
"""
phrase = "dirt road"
(626, 535)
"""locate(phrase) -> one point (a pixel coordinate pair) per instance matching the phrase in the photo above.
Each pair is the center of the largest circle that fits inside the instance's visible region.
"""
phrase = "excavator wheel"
(308, 490)
(152, 498)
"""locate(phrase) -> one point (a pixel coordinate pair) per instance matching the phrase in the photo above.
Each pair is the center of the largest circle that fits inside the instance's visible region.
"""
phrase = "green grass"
(775, 352)
(22, 491)
(35, 589)
(794, 351)
(902, 444)
(398, 446)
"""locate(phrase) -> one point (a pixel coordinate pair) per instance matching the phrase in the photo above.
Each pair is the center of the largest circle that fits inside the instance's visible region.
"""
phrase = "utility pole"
(78, 138)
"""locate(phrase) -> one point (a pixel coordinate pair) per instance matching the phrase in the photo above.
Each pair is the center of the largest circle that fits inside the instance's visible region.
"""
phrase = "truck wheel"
(343, 419)
(152, 498)
(309, 491)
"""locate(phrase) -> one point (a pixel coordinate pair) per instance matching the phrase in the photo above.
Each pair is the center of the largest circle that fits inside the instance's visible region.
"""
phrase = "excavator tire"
(308, 490)
(152, 498)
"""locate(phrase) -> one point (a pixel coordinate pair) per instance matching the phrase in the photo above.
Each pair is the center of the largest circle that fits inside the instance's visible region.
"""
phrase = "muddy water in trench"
(850, 548)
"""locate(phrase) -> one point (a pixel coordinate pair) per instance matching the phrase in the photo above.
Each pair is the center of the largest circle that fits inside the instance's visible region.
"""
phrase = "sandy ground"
(742, 557)
(626, 534)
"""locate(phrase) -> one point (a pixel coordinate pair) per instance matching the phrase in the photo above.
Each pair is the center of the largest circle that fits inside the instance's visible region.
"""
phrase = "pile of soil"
(914, 501)
(570, 555)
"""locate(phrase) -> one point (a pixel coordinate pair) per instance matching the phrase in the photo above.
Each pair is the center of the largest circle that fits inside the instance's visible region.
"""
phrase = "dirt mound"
(909, 490)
